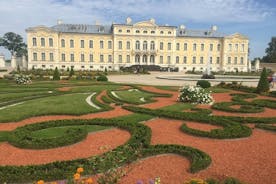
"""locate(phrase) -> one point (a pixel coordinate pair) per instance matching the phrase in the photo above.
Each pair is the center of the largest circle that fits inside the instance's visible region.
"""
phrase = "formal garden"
(89, 130)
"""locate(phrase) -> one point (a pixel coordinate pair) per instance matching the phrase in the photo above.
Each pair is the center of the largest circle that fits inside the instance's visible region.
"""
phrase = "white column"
(24, 62)
(13, 62)
(2, 61)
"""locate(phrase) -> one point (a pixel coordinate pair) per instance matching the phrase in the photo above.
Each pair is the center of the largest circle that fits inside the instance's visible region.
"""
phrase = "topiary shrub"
(263, 85)
(195, 94)
(102, 78)
(203, 83)
(56, 75)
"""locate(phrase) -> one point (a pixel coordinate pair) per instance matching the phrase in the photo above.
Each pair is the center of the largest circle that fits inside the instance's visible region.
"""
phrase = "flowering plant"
(195, 94)
(22, 79)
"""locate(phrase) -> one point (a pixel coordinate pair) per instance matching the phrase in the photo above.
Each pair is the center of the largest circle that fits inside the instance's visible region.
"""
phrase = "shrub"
(195, 94)
(206, 76)
(71, 73)
(203, 83)
(263, 85)
(102, 78)
(23, 79)
(56, 75)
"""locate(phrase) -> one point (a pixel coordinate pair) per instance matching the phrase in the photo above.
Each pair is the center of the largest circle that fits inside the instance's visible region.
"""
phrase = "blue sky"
(254, 18)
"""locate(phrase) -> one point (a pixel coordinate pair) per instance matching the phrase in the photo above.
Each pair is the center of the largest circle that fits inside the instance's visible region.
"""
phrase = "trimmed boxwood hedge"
(245, 107)
(138, 146)
(230, 129)
(266, 127)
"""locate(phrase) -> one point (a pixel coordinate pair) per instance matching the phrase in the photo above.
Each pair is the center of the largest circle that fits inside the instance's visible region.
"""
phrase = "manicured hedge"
(265, 103)
(266, 127)
(136, 147)
(245, 107)
(230, 129)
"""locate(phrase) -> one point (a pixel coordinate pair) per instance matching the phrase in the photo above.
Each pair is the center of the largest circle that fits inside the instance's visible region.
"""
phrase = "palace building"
(96, 47)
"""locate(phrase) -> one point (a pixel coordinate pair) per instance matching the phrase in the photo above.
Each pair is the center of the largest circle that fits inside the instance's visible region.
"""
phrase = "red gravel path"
(99, 97)
(252, 159)
(95, 143)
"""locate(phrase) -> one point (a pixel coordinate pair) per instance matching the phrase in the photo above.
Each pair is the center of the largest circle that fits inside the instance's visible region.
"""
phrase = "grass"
(168, 88)
(59, 131)
(73, 104)
(178, 107)
(218, 90)
(3, 135)
(134, 97)
(4, 97)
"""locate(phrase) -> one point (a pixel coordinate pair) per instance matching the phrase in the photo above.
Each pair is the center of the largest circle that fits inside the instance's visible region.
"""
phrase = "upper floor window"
(211, 47)
(169, 46)
(120, 31)
(91, 58)
(137, 31)
(51, 42)
(82, 57)
(169, 32)
(43, 57)
(71, 43)
(35, 56)
(101, 58)
(194, 47)
(177, 59)
(177, 46)
(128, 45)
(42, 42)
(218, 47)
(120, 45)
(201, 60)
(152, 32)
(72, 57)
(218, 60)
(90, 44)
(185, 46)
(161, 32)
(34, 42)
(194, 60)
(62, 57)
(128, 31)
(145, 32)
(62, 43)
(230, 47)
(185, 59)
(109, 44)
(161, 45)
(235, 60)
(82, 43)
(137, 45)
(145, 45)
(101, 44)
(202, 47)
(152, 45)
(51, 56)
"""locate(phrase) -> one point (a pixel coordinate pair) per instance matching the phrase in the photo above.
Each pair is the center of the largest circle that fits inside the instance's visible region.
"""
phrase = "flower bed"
(195, 94)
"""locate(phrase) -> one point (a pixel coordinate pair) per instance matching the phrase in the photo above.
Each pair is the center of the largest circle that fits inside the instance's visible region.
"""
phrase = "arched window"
(137, 45)
(145, 45)
(152, 59)
(145, 59)
(137, 59)
(152, 45)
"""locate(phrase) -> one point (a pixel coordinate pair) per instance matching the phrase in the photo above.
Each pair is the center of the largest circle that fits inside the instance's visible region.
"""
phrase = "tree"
(14, 43)
(71, 72)
(263, 85)
(270, 56)
(56, 75)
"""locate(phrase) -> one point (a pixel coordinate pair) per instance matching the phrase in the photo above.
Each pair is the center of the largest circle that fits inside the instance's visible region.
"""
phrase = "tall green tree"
(14, 43)
(263, 85)
(270, 56)
(56, 75)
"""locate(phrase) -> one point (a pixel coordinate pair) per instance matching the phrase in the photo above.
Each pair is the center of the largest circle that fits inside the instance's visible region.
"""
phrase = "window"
(218, 47)
(161, 60)
(128, 58)
(218, 60)
(101, 44)
(185, 46)
(137, 31)
(90, 57)
(137, 45)
(169, 46)
(236, 47)
(62, 57)
(145, 59)
(152, 45)
(177, 59)
(211, 60)
(110, 58)
(145, 32)
(211, 47)
(72, 57)
(51, 57)
(177, 46)
(161, 45)
(229, 60)
(230, 47)
(145, 45)
(128, 45)
(169, 59)
(82, 57)
(128, 31)
(42, 42)
(241, 62)
(71, 43)
(101, 58)
(63, 43)
(194, 47)
(194, 60)
(90, 44)
(120, 45)
(201, 60)
(152, 59)
(235, 60)
(34, 42)
(242, 48)
(120, 59)
(185, 59)
(43, 58)
(137, 59)
(202, 47)
(161, 32)
(169, 32)
(152, 32)
(51, 43)
(82, 43)
(120, 31)
(109, 44)
(35, 56)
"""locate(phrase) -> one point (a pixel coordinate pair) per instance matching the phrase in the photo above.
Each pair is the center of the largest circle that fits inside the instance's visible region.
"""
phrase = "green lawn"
(134, 97)
(74, 104)
(4, 97)
(59, 131)
(178, 107)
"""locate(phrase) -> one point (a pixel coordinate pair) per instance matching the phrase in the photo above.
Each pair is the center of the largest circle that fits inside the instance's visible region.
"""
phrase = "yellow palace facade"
(96, 47)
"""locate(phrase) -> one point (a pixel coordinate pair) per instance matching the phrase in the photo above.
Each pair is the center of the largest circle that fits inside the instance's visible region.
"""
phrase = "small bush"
(203, 83)
(56, 75)
(263, 85)
(102, 78)
(195, 94)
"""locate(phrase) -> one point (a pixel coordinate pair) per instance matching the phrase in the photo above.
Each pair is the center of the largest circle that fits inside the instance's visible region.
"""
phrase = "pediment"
(40, 29)
(238, 36)
(149, 23)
